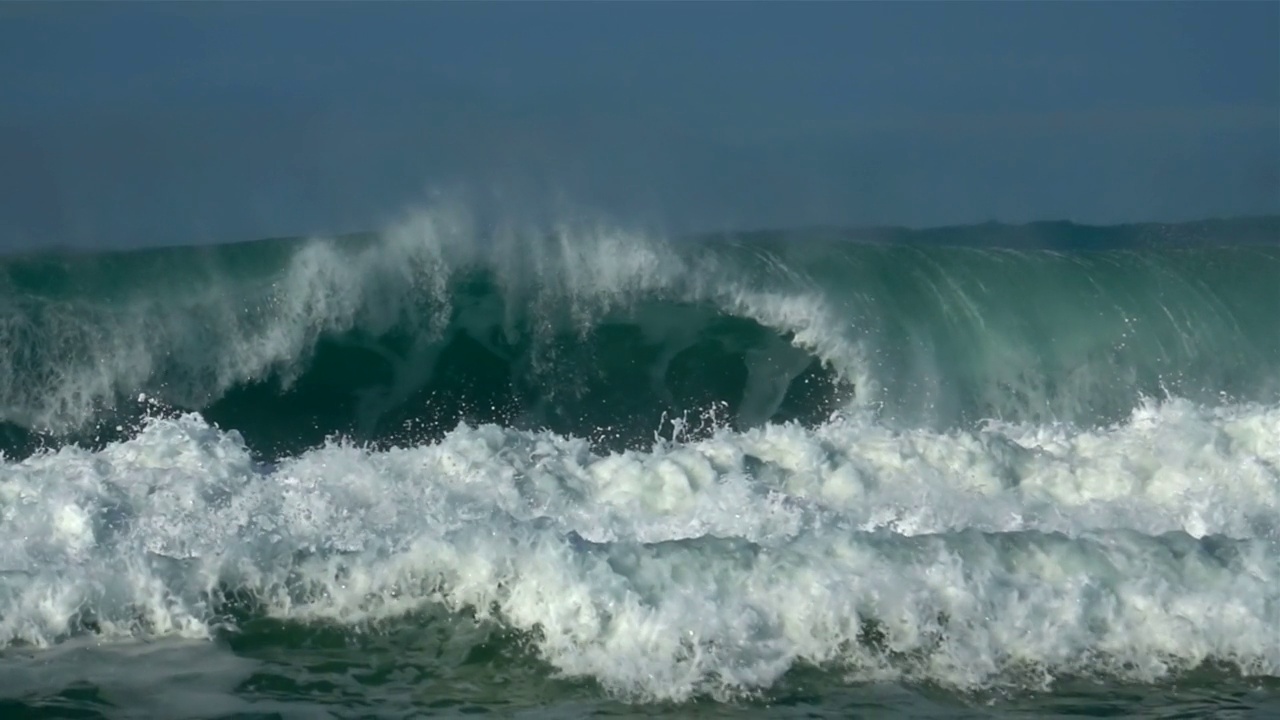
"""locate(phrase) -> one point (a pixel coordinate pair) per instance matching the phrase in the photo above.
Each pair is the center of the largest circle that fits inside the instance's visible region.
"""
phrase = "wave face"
(601, 333)
(673, 469)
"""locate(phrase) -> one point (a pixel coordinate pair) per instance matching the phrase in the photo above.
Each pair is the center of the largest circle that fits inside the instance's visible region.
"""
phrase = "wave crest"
(599, 332)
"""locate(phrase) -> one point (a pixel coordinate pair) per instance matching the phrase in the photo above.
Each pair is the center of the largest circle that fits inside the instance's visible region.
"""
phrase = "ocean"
(459, 468)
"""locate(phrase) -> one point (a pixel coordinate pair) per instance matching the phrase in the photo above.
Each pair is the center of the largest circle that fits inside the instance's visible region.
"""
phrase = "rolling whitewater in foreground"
(444, 469)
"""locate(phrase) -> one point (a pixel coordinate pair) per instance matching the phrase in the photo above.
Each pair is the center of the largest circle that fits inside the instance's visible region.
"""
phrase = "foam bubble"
(1008, 555)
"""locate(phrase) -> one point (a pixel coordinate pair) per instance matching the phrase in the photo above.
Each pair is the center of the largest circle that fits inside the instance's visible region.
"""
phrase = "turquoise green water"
(969, 472)
(291, 341)
(421, 671)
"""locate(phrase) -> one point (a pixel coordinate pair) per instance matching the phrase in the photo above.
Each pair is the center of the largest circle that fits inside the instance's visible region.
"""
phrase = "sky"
(143, 123)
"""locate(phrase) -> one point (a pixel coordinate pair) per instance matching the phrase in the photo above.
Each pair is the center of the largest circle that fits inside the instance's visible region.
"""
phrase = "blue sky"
(140, 123)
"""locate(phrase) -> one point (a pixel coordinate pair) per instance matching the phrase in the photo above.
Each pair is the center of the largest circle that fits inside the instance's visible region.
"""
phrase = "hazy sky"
(184, 122)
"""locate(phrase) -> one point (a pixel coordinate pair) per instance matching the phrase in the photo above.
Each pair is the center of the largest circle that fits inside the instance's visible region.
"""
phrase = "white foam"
(968, 559)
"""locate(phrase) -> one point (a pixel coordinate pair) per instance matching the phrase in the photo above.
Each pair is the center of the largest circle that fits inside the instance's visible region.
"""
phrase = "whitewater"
(577, 470)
